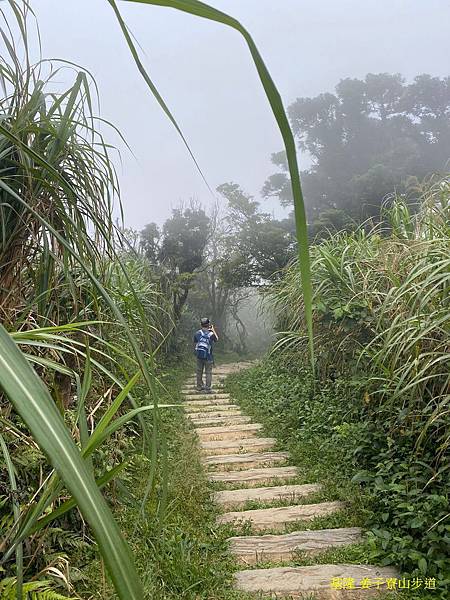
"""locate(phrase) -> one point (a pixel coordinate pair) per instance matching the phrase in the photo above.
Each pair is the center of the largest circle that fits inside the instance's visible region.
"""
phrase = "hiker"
(204, 339)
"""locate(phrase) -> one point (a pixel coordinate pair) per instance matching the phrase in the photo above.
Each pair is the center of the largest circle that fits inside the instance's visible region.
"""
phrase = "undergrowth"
(182, 554)
(333, 439)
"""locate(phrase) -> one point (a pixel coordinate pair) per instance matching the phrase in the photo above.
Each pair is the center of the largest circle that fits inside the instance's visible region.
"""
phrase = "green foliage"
(57, 188)
(184, 554)
(35, 590)
(329, 430)
(315, 422)
(177, 251)
(32, 400)
(183, 240)
(245, 248)
(411, 527)
(150, 296)
(263, 245)
(382, 325)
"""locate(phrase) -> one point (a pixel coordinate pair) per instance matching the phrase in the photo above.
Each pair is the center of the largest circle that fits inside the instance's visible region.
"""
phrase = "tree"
(178, 250)
(366, 140)
(245, 249)
(150, 242)
(213, 286)
(260, 245)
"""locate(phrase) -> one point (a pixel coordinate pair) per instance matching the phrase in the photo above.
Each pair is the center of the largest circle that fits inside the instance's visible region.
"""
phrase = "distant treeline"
(365, 141)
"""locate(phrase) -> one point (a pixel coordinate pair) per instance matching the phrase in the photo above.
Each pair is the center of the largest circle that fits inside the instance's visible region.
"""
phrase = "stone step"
(221, 421)
(236, 498)
(192, 389)
(277, 518)
(235, 367)
(209, 402)
(199, 395)
(218, 382)
(196, 398)
(255, 476)
(225, 370)
(209, 407)
(215, 373)
(222, 373)
(235, 462)
(217, 377)
(231, 432)
(255, 549)
(197, 417)
(234, 446)
(316, 581)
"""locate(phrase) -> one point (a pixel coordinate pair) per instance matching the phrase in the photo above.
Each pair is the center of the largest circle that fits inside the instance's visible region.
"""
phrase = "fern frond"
(35, 590)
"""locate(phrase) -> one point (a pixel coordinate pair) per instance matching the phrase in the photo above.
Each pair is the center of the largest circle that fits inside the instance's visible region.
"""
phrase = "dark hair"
(204, 322)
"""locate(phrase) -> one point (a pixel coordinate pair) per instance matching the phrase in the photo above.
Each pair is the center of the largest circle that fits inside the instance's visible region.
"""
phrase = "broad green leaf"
(94, 442)
(33, 402)
(71, 502)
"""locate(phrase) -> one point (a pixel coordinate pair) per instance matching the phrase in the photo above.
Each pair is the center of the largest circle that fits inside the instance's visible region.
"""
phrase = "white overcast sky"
(205, 73)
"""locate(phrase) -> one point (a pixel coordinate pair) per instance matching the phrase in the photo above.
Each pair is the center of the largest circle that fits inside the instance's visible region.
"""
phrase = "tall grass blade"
(16, 510)
(71, 502)
(153, 87)
(34, 403)
(205, 11)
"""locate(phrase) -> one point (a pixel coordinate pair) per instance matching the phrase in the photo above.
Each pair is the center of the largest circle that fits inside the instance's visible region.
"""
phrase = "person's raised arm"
(215, 333)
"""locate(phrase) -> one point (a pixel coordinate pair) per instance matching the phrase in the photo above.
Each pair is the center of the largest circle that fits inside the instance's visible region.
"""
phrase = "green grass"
(188, 556)
(316, 464)
(184, 555)
(304, 422)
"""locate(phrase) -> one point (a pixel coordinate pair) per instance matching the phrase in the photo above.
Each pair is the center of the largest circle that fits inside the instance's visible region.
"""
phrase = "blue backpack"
(203, 346)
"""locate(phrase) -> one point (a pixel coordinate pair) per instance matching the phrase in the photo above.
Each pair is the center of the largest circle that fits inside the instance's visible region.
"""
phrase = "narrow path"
(260, 493)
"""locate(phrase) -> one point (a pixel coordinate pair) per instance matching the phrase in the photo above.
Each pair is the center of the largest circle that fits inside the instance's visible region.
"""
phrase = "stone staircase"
(238, 456)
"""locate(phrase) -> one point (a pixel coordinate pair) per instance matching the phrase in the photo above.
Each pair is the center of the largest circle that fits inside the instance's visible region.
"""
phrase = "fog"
(204, 72)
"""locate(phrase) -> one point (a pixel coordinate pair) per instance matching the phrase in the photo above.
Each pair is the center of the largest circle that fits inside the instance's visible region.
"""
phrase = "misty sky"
(204, 72)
